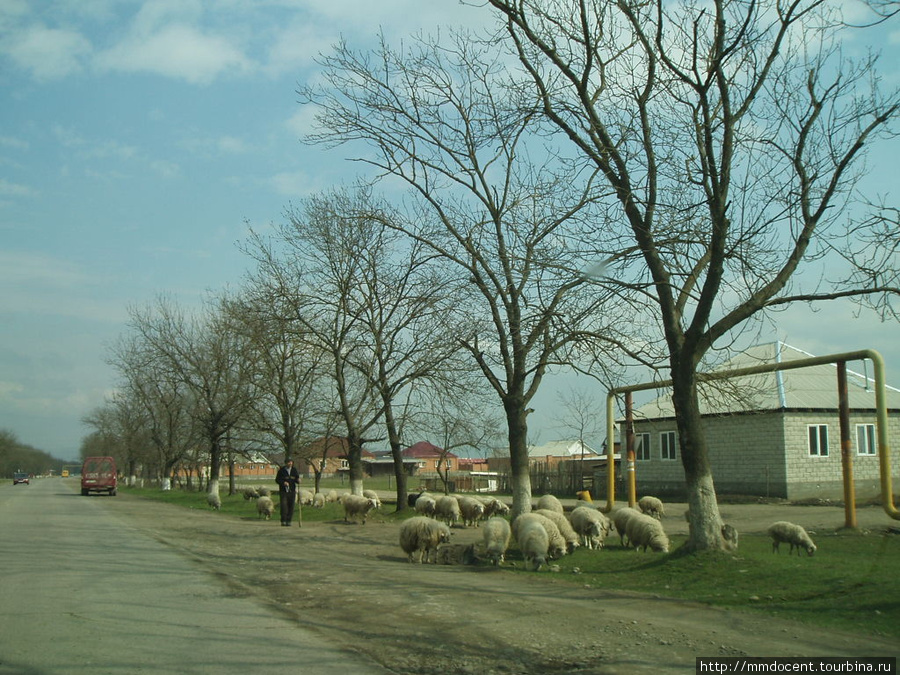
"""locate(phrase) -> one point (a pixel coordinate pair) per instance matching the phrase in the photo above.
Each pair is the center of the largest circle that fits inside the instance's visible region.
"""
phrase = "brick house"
(329, 453)
(771, 435)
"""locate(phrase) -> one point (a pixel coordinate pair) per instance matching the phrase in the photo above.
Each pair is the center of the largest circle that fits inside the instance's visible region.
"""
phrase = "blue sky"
(138, 139)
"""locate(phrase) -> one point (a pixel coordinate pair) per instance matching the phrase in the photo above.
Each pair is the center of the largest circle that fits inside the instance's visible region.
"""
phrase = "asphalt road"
(83, 592)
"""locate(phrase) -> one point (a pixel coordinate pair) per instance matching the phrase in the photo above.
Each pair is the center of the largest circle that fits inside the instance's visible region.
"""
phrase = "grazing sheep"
(357, 506)
(496, 534)
(562, 523)
(652, 506)
(644, 532)
(620, 519)
(250, 493)
(789, 533)
(591, 525)
(534, 544)
(214, 500)
(371, 494)
(412, 497)
(265, 507)
(557, 544)
(426, 505)
(446, 508)
(729, 537)
(331, 496)
(455, 554)
(264, 492)
(471, 510)
(550, 503)
(306, 497)
(318, 500)
(423, 535)
(494, 507)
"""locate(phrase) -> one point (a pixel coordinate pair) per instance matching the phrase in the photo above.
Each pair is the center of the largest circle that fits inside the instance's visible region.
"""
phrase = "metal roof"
(560, 449)
(811, 388)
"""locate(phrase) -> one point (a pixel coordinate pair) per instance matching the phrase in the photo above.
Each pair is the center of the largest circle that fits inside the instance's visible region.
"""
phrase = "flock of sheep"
(544, 534)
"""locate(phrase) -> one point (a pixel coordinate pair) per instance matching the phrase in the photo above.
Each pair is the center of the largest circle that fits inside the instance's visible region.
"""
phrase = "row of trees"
(17, 456)
(593, 186)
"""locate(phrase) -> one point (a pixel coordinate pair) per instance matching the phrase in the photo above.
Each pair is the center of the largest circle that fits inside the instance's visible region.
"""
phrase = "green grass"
(850, 584)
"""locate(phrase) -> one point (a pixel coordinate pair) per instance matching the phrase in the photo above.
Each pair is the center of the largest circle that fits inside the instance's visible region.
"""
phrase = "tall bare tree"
(486, 197)
(731, 134)
(210, 358)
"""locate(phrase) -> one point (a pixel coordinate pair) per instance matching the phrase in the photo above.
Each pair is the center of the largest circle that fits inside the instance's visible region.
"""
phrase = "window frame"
(668, 446)
(818, 450)
(641, 450)
(871, 440)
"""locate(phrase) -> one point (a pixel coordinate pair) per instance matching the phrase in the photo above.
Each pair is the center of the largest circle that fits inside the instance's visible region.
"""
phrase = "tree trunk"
(704, 521)
(396, 450)
(520, 479)
(354, 459)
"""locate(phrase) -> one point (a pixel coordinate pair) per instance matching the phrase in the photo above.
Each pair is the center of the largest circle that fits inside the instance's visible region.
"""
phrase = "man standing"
(287, 478)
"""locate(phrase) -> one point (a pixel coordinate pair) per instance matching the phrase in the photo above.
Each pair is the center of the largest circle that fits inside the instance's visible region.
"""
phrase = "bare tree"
(209, 358)
(731, 135)
(506, 217)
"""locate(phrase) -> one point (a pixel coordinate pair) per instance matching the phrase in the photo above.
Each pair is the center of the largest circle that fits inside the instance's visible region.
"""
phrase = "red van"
(98, 474)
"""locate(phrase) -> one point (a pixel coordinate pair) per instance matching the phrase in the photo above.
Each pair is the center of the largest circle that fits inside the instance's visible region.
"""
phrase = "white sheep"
(573, 540)
(550, 503)
(357, 506)
(265, 507)
(789, 533)
(620, 518)
(446, 508)
(264, 492)
(250, 493)
(305, 497)
(652, 506)
(494, 507)
(557, 544)
(425, 505)
(645, 532)
(423, 535)
(471, 510)
(331, 496)
(214, 501)
(371, 494)
(496, 534)
(318, 500)
(591, 525)
(729, 537)
(534, 544)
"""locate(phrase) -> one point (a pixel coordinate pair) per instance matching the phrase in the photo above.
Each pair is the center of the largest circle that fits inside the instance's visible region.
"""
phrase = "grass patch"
(850, 584)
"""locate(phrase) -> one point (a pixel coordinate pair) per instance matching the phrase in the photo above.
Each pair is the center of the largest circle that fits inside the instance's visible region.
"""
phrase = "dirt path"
(353, 584)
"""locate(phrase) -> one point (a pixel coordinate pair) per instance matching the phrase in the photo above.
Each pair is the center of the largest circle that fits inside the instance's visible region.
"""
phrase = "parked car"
(21, 477)
(98, 474)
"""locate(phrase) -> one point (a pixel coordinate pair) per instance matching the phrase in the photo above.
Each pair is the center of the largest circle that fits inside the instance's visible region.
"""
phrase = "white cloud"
(303, 121)
(178, 51)
(293, 183)
(48, 53)
(14, 189)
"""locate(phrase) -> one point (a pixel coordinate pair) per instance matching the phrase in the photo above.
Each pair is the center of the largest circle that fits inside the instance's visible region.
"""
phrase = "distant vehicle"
(21, 477)
(65, 473)
(98, 474)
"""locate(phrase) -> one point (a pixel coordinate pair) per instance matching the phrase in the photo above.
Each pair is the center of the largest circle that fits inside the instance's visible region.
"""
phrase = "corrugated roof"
(560, 449)
(813, 387)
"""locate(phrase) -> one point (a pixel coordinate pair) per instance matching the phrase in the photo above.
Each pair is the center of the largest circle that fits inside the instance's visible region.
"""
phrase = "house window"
(437, 464)
(642, 447)
(345, 465)
(667, 445)
(865, 439)
(818, 440)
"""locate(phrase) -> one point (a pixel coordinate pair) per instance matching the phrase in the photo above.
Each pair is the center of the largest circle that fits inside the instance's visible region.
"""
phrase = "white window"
(642, 447)
(865, 439)
(818, 440)
(345, 464)
(667, 447)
